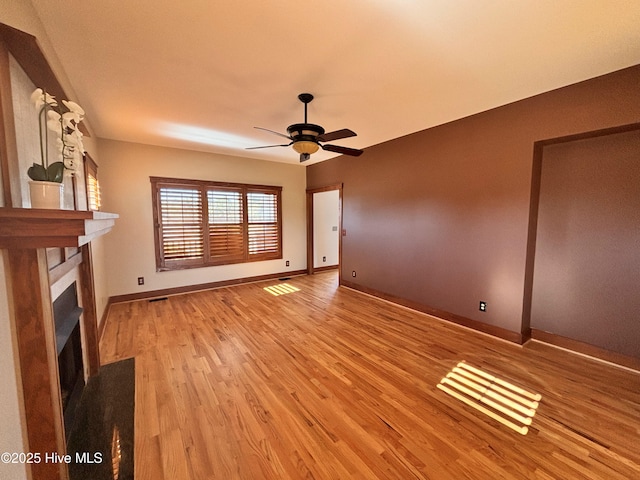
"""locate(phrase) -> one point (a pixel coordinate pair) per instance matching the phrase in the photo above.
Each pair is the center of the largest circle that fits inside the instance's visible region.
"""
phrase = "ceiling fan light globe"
(305, 146)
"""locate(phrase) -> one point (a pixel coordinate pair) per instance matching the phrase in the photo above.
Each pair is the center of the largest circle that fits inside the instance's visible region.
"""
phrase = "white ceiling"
(200, 74)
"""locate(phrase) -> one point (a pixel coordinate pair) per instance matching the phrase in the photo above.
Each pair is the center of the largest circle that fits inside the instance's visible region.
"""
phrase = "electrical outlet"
(324, 259)
(287, 264)
(140, 280)
(483, 306)
(353, 273)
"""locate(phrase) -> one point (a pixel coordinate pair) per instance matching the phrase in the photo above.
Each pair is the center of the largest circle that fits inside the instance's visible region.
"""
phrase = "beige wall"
(129, 248)
(21, 15)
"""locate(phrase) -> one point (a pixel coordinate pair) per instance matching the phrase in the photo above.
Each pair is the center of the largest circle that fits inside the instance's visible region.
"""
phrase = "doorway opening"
(324, 228)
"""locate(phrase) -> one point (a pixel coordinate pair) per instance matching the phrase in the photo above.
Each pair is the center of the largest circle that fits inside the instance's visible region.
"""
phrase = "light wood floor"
(328, 383)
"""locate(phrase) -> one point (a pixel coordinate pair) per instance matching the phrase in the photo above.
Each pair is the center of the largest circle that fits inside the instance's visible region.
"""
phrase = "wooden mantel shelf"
(36, 228)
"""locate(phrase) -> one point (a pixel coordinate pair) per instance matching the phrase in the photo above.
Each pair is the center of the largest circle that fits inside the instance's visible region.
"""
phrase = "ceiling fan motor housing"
(304, 131)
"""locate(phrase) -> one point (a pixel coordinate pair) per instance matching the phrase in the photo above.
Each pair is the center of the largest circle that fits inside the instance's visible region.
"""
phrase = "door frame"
(310, 192)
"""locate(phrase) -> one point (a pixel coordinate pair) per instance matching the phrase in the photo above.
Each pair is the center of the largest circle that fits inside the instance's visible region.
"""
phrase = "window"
(262, 222)
(200, 223)
(91, 179)
(226, 225)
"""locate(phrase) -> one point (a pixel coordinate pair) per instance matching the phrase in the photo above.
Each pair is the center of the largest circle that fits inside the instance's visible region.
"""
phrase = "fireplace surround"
(25, 236)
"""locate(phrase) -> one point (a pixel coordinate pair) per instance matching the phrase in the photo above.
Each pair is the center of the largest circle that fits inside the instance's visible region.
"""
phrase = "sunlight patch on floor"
(281, 289)
(507, 403)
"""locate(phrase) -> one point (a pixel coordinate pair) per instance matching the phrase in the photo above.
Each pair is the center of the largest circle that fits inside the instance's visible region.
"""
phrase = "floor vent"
(160, 299)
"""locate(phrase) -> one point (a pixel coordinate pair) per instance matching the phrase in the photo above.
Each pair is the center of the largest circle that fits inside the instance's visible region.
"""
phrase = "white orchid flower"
(74, 107)
(69, 152)
(71, 140)
(50, 99)
(67, 137)
(53, 122)
(77, 135)
(70, 163)
(59, 145)
(39, 97)
(68, 119)
(53, 115)
(54, 126)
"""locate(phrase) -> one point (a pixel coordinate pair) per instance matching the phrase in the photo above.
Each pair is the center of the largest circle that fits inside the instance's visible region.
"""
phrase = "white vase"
(46, 194)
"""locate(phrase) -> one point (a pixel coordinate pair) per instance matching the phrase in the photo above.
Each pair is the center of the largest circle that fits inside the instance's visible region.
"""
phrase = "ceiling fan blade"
(268, 146)
(344, 150)
(275, 133)
(338, 134)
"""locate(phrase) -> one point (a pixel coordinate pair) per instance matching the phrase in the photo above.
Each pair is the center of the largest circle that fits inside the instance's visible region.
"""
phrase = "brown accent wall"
(586, 279)
(441, 217)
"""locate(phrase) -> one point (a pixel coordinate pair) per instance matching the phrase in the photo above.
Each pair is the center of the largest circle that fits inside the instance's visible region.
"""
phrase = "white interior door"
(326, 226)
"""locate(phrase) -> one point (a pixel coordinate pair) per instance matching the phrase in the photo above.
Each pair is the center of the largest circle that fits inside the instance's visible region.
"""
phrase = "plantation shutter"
(91, 183)
(263, 225)
(226, 229)
(93, 193)
(202, 223)
(181, 229)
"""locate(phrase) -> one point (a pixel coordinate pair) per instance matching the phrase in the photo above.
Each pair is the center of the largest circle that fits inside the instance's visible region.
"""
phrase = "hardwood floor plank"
(328, 383)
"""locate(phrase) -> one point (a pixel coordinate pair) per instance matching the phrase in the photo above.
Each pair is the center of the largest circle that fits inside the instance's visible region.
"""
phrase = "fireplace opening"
(66, 314)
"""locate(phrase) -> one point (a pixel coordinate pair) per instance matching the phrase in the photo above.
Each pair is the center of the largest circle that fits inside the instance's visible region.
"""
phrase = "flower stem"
(45, 161)
(42, 147)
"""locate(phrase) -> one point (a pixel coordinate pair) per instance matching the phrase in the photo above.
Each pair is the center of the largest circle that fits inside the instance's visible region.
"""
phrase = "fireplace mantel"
(36, 228)
(25, 235)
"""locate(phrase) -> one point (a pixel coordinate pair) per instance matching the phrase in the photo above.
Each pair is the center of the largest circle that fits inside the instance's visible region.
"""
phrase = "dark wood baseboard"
(503, 333)
(202, 286)
(586, 349)
(325, 269)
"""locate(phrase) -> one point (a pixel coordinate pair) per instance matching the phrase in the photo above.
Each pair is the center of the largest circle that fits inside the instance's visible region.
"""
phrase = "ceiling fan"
(307, 138)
